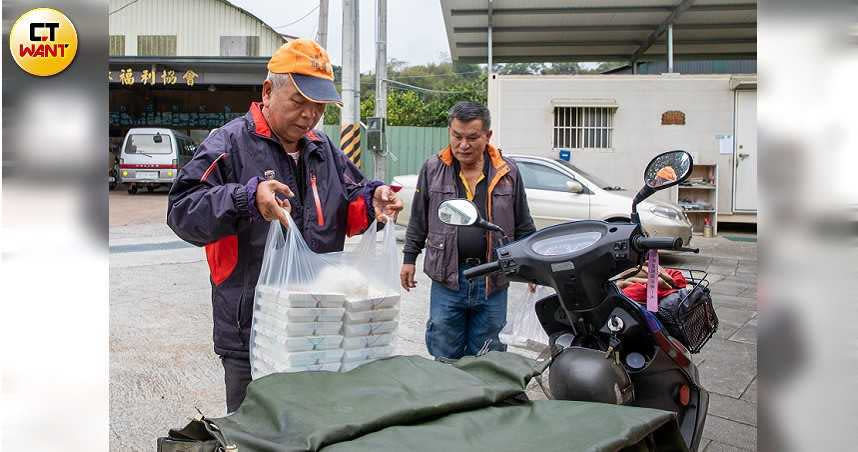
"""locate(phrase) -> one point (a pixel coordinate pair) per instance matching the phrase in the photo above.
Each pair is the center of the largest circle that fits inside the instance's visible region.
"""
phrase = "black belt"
(472, 261)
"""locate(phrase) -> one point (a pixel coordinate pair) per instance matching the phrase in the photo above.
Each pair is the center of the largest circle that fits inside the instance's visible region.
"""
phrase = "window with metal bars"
(156, 45)
(239, 45)
(117, 45)
(583, 127)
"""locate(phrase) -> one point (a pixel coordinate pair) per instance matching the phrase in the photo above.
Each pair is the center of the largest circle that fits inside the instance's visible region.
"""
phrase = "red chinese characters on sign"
(673, 118)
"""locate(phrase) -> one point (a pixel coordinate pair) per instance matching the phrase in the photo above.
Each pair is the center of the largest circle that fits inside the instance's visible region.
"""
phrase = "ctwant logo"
(43, 41)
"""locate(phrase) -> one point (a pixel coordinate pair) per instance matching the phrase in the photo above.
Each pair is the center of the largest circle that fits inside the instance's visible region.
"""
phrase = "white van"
(152, 157)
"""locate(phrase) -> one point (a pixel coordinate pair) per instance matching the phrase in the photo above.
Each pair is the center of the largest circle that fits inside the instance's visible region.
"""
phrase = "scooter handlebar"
(480, 270)
(658, 243)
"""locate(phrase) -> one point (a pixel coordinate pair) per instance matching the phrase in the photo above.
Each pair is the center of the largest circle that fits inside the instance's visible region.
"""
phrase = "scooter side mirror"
(461, 212)
(664, 171)
(458, 212)
(668, 169)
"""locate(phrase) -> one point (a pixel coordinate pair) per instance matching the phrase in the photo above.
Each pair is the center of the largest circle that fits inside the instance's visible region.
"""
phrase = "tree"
(561, 68)
(405, 108)
(520, 68)
(332, 114)
(416, 108)
(448, 83)
(413, 107)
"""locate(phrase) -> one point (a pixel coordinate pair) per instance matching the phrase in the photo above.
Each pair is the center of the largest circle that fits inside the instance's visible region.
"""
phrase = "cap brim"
(317, 89)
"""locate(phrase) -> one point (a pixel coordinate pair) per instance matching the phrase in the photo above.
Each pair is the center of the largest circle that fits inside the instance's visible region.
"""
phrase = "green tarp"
(538, 426)
(414, 404)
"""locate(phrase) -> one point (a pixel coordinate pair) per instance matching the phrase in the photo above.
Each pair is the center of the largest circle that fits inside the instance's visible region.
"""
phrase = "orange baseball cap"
(310, 68)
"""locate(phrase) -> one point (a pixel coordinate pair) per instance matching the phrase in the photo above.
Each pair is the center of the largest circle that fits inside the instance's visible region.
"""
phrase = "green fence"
(410, 146)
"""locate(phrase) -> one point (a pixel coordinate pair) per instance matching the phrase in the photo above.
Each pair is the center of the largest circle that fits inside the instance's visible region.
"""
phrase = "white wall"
(522, 120)
(197, 24)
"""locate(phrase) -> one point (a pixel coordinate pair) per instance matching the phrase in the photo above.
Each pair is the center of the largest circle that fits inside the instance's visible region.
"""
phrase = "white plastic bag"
(523, 328)
(309, 308)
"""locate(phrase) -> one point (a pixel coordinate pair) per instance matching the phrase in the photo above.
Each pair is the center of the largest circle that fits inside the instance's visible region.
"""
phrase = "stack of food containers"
(369, 327)
(297, 331)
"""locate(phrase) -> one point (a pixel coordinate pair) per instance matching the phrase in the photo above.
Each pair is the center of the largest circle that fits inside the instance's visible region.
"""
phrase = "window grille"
(583, 127)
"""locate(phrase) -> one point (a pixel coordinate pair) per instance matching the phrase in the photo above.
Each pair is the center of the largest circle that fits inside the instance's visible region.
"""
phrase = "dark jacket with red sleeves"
(212, 204)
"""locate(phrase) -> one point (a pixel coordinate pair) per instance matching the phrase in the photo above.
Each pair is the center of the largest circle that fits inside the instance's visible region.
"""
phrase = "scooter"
(605, 347)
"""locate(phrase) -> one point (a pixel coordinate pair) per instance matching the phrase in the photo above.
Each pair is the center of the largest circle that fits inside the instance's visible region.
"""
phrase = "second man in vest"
(465, 316)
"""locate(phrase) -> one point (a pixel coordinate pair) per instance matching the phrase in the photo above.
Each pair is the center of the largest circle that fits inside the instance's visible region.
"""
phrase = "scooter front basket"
(691, 319)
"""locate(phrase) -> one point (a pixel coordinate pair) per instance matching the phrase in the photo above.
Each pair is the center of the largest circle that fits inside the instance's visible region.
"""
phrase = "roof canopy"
(603, 30)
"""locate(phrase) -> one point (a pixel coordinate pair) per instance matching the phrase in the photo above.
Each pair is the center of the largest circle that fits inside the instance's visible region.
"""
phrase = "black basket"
(691, 319)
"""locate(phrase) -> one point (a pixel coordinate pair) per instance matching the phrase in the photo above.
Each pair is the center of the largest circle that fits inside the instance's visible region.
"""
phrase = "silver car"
(558, 191)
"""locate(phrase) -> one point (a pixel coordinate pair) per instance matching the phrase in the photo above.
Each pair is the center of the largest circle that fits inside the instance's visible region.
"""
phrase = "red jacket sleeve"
(358, 191)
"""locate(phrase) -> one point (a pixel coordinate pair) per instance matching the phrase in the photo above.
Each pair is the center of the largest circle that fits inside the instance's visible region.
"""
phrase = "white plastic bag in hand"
(302, 294)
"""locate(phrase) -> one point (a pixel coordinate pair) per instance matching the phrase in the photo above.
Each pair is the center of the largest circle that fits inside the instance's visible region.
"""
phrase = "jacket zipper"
(489, 233)
(489, 212)
(240, 303)
(320, 216)
(238, 317)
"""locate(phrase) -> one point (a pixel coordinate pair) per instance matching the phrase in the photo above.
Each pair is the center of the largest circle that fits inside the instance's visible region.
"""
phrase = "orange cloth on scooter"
(637, 291)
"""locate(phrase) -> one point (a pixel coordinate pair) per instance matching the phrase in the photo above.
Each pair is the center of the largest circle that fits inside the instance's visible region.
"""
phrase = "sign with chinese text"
(165, 77)
(673, 118)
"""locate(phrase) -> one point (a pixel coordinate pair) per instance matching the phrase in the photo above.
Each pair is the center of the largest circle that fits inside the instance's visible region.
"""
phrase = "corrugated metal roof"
(693, 67)
(606, 30)
(197, 25)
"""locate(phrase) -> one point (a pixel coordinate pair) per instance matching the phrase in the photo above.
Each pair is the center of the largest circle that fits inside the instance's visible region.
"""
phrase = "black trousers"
(236, 377)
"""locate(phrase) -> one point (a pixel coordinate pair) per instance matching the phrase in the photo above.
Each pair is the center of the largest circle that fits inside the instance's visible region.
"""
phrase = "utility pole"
(322, 39)
(322, 35)
(350, 118)
(381, 85)
(490, 44)
(670, 48)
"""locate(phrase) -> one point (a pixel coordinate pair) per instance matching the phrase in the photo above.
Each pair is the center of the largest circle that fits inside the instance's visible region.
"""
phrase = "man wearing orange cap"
(259, 168)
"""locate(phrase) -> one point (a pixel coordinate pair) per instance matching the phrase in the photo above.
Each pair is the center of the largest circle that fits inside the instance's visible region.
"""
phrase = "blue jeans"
(462, 321)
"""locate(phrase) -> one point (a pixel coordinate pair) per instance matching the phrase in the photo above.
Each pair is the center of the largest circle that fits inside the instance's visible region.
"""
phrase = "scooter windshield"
(565, 244)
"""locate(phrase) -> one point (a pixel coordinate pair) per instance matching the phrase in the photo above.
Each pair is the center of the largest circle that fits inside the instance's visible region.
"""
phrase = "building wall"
(197, 24)
(522, 115)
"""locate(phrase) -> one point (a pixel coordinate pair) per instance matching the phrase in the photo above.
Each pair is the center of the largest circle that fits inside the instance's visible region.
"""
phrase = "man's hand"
(267, 203)
(385, 202)
(406, 276)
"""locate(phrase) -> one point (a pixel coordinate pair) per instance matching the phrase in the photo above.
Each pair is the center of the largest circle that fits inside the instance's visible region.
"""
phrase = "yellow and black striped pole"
(350, 142)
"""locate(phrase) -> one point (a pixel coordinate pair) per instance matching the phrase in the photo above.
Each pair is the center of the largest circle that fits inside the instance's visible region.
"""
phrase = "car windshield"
(145, 144)
(602, 184)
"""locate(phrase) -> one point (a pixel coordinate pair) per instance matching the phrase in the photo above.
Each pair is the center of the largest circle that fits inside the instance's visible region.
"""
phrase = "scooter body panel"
(578, 259)
(584, 323)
